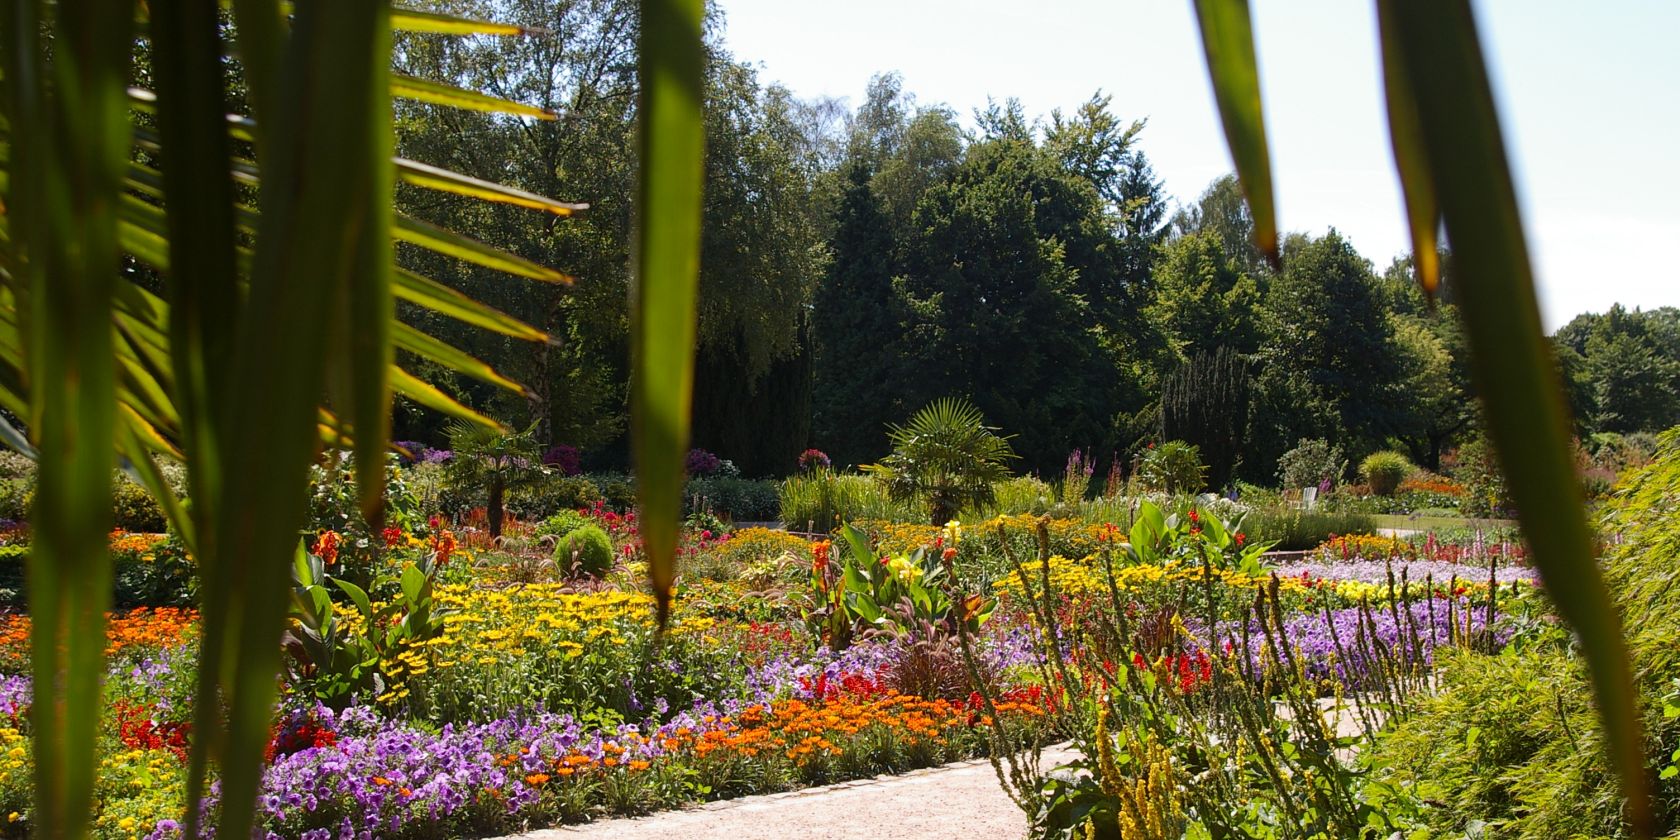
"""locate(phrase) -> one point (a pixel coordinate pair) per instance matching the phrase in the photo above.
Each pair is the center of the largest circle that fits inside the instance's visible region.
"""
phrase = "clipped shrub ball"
(135, 510)
(585, 551)
(1384, 471)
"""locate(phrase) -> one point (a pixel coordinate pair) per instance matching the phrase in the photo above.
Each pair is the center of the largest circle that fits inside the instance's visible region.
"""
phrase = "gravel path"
(958, 801)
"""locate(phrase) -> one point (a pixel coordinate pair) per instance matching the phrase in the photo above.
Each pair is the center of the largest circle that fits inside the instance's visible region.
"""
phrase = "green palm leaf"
(230, 369)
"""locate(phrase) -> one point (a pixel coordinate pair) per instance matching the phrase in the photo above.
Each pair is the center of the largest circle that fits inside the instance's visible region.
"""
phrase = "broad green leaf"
(1228, 39)
(671, 150)
(413, 582)
(438, 93)
(357, 596)
(1423, 214)
(1439, 52)
(859, 543)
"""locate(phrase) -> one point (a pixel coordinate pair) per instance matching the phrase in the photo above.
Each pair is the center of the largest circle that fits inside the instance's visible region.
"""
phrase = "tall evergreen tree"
(856, 331)
(1205, 402)
(996, 299)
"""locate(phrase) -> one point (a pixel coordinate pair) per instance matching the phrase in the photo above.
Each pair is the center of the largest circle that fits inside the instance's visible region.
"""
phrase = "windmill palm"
(493, 461)
(946, 457)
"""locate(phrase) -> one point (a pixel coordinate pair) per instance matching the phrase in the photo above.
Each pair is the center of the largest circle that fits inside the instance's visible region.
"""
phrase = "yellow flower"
(953, 532)
(903, 569)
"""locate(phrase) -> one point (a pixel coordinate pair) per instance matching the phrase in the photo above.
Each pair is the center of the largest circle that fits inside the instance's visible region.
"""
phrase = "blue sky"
(1589, 94)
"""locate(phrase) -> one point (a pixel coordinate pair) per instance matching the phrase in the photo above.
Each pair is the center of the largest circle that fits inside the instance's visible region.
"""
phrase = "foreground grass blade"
(1440, 53)
(331, 93)
(69, 136)
(1228, 39)
(671, 147)
(373, 308)
(450, 243)
(1423, 212)
(202, 274)
(203, 299)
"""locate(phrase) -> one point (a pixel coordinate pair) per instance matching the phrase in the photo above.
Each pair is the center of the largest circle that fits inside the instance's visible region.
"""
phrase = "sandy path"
(954, 801)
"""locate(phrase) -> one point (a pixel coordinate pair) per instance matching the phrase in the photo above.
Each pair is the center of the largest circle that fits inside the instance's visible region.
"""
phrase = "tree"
(1203, 301)
(1205, 403)
(995, 301)
(493, 461)
(857, 330)
(1329, 362)
(1625, 366)
(946, 457)
(1434, 387)
(761, 259)
(1223, 212)
(931, 149)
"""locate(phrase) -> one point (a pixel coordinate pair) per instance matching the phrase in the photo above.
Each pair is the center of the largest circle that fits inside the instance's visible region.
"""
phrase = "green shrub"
(561, 523)
(16, 465)
(135, 510)
(1503, 744)
(14, 498)
(1312, 463)
(1173, 467)
(1485, 493)
(553, 494)
(1513, 740)
(1299, 530)
(618, 491)
(1022, 494)
(586, 551)
(735, 499)
(1384, 471)
(822, 499)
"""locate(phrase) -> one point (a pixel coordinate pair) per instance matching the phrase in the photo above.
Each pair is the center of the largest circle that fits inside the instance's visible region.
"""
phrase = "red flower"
(393, 537)
(1241, 538)
(326, 547)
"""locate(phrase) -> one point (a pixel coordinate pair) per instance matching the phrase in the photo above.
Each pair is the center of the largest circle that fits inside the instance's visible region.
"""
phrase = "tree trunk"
(493, 511)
